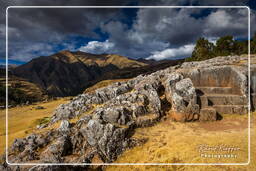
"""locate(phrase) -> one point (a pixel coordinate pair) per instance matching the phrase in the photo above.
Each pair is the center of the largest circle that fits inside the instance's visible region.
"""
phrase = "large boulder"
(56, 150)
(107, 138)
(64, 126)
(181, 95)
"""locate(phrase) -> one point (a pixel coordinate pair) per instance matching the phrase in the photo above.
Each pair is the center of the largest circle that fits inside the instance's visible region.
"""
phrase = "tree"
(203, 50)
(240, 47)
(253, 44)
(225, 46)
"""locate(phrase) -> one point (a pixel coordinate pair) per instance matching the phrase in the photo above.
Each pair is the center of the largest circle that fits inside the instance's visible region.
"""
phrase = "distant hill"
(20, 91)
(69, 73)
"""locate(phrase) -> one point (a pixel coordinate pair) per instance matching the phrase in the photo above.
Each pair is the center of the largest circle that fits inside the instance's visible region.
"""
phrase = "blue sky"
(135, 33)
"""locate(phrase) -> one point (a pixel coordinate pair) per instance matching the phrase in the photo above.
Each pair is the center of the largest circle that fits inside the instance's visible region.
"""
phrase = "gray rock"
(18, 145)
(171, 80)
(182, 96)
(94, 131)
(113, 142)
(64, 126)
(119, 115)
(83, 120)
(55, 151)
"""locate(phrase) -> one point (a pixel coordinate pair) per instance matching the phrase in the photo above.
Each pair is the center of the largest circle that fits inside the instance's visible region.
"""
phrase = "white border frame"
(161, 7)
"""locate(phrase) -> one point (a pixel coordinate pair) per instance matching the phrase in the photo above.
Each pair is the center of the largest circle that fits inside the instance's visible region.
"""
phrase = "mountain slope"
(106, 59)
(68, 73)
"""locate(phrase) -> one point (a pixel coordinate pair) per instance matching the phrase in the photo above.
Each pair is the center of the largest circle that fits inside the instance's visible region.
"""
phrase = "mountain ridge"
(68, 73)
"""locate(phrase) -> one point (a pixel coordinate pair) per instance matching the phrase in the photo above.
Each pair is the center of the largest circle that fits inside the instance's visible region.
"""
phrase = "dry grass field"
(173, 142)
(22, 120)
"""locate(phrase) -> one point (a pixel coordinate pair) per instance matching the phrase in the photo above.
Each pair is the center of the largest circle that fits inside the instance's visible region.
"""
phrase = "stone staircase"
(223, 100)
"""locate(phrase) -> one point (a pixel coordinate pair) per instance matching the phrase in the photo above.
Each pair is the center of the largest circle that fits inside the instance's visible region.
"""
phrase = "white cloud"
(232, 22)
(97, 47)
(183, 51)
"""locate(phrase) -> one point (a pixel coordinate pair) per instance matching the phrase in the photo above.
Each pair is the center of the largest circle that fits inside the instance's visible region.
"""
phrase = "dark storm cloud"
(38, 27)
(197, 2)
(35, 32)
(160, 32)
(170, 25)
(33, 23)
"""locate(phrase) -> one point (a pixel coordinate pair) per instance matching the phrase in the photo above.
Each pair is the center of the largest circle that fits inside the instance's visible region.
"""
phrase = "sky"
(135, 32)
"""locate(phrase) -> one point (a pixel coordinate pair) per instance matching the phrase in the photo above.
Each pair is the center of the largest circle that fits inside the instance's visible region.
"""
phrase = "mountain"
(68, 73)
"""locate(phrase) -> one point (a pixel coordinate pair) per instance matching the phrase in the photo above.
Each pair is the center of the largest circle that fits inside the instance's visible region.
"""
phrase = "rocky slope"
(100, 124)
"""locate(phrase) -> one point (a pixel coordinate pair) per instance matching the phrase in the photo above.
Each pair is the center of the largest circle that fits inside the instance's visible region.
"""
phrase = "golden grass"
(104, 60)
(173, 142)
(23, 120)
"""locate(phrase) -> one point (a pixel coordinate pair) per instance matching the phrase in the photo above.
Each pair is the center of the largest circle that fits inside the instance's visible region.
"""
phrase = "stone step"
(222, 99)
(208, 114)
(231, 109)
(213, 90)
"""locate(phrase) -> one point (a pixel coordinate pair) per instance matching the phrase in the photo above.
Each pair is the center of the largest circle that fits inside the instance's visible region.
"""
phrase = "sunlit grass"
(23, 120)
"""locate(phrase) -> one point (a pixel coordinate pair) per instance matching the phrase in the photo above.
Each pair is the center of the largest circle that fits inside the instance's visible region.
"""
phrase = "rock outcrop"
(181, 94)
(106, 119)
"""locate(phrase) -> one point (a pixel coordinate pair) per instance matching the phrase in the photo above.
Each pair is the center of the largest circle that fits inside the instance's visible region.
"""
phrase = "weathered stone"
(182, 96)
(94, 131)
(56, 150)
(64, 126)
(171, 80)
(83, 120)
(18, 145)
(41, 141)
(113, 142)
(79, 144)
